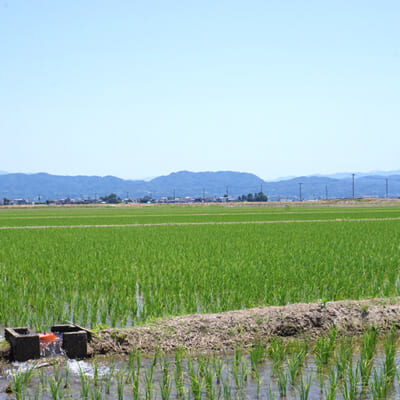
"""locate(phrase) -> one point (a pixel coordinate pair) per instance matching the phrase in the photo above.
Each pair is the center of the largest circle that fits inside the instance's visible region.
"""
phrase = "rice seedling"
(304, 388)
(293, 366)
(208, 380)
(243, 374)
(258, 353)
(350, 385)
(379, 386)
(218, 364)
(148, 381)
(85, 384)
(344, 356)
(269, 394)
(389, 365)
(20, 379)
(165, 383)
(178, 371)
(324, 347)
(121, 384)
(276, 351)
(282, 383)
(56, 388)
(227, 391)
(196, 380)
(366, 355)
(96, 393)
(108, 379)
(95, 373)
(330, 393)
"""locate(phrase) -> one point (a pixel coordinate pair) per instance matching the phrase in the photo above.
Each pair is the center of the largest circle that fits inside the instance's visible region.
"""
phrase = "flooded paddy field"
(331, 367)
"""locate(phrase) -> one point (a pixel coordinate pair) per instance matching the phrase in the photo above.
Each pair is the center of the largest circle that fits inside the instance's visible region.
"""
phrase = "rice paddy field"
(124, 266)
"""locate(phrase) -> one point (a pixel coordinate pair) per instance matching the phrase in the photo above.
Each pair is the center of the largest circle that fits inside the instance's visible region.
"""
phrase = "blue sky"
(144, 88)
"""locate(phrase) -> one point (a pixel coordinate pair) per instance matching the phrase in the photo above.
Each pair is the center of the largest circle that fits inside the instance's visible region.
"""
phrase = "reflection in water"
(288, 371)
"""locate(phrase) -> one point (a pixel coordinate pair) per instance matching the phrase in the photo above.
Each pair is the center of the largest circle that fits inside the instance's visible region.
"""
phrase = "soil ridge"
(227, 330)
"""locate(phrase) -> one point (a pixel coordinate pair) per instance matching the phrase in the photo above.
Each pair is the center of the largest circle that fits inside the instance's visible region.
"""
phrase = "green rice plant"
(227, 391)
(379, 385)
(56, 389)
(390, 345)
(165, 387)
(85, 384)
(66, 376)
(256, 375)
(330, 393)
(350, 385)
(165, 383)
(276, 351)
(258, 353)
(243, 374)
(178, 371)
(20, 379)
(366, 355)
(42, 379)
(269, 394)
(121, 385)
(324, 347)
(95, 373)
(208, 380)
(196, 380)
(148, 381)
(96, 393)
(293, 365)
(344, 356)
(282, 383)
(304, 388)
(108, 378)
(218, 365)
(235, 372)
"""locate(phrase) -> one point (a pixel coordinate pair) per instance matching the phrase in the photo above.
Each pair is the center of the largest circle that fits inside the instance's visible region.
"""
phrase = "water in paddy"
(289, 372)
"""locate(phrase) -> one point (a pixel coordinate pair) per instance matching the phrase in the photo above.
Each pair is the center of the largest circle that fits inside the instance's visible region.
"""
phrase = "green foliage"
(256, 197)
(111, 199)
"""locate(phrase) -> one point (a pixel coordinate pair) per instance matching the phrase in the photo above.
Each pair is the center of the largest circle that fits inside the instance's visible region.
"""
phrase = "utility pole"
(204, 194)
(300, 183)
(227, 191)
(326, 192)
(353, 185)
(261, 188)
(387, 187)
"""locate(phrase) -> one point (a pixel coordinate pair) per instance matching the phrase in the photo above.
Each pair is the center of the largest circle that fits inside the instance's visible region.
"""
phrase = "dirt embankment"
(224, 331)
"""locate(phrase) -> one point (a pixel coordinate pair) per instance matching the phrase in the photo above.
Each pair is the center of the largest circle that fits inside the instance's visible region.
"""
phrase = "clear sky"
(143, 88)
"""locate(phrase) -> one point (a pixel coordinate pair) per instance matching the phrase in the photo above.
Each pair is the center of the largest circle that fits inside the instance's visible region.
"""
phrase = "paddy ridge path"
(227, 330)
(200, 223)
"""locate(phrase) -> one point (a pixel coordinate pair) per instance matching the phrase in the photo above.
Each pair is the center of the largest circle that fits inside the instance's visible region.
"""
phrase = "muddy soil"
(224, 331)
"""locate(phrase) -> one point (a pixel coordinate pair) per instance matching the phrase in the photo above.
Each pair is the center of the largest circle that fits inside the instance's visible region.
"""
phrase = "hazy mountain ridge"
(193, 184)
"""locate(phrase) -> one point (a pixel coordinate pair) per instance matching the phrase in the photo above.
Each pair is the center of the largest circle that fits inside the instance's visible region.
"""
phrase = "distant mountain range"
(195, 184)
